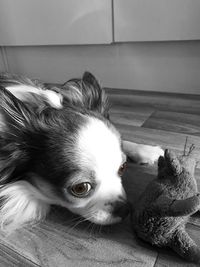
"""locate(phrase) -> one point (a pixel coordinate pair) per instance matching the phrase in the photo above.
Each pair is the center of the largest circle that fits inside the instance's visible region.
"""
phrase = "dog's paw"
(145, 154)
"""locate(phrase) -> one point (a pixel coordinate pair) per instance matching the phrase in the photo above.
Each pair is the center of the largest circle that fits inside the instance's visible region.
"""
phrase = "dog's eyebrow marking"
(82, 176)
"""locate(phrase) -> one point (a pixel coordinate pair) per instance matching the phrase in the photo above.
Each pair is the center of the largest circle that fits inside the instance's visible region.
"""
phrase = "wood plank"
(168, 258)
(135, 116)
(157, 101)
(59, 242)
(174, 122)
(122, 92)
(9, 258)
(166, 139)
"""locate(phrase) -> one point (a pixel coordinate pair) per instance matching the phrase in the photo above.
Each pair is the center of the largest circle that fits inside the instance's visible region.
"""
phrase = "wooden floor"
(149, 118)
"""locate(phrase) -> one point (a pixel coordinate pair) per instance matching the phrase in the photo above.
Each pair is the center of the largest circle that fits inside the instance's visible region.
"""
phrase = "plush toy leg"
(185, 246)
(186, 206)
(169, 207)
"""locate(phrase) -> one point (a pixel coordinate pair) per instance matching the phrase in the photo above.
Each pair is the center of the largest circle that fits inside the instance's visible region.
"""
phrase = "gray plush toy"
(162, 211)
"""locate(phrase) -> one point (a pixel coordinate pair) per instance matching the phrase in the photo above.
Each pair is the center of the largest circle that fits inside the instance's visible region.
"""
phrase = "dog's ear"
(13, 111)
(94, 95)
(86, 92)
(90, 81)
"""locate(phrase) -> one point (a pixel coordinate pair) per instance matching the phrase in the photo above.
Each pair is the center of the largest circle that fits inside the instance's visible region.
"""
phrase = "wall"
(122, 42)
(156, 66)
(3, 60)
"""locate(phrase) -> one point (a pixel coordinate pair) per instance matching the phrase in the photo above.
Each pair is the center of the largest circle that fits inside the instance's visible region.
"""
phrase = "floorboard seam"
(156, 260)
(153, 112)
(20, 255)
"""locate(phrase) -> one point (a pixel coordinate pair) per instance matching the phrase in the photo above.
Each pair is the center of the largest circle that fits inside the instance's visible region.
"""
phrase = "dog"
(58, 147)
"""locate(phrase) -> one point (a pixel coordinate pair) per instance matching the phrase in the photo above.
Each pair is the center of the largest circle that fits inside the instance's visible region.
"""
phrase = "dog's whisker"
(74, 226)
(100, 228)
(74, 220)
(89, 226)
(92, 228)
(79, 222)
(80, 219)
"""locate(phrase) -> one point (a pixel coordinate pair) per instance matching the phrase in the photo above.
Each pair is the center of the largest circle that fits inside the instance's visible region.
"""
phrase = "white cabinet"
(72, 22)
(55, 22)
(156, 20)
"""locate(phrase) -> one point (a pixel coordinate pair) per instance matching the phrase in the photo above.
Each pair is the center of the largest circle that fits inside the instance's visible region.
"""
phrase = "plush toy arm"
(172, 207)
(142, 154)
(183, 244)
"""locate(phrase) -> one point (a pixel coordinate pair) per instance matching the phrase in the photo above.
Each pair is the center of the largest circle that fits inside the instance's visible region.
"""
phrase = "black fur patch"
(42, 140)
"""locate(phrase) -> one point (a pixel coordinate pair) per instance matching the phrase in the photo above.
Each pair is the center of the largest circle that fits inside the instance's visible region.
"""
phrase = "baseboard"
(4, 66)
(117, 91)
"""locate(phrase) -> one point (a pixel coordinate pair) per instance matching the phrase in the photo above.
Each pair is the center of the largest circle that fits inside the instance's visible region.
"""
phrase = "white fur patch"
(22, 204)
(100, 151)
(100, 146)
(23, 92)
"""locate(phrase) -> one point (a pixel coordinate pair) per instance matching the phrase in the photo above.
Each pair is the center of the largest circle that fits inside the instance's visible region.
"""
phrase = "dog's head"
(71, 156)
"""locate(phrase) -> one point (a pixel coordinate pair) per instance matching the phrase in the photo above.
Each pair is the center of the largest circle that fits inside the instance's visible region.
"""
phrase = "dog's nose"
(121, 209)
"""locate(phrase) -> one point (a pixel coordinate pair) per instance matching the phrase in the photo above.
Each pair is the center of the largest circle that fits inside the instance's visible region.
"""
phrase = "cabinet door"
(50, 22)
(156, 20)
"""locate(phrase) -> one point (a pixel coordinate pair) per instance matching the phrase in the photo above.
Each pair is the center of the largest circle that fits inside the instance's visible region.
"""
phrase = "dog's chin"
(103, 218)
(109, 221)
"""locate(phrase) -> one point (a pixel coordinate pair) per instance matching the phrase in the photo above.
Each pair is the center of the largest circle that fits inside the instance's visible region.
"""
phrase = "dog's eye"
(121, 169)
(81, 190)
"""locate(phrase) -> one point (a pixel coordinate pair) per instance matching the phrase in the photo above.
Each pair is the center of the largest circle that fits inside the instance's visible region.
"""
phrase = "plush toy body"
(163, 209)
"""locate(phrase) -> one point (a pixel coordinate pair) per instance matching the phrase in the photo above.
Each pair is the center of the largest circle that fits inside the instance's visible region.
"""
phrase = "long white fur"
(23, 92)
(142, 153)
(22, 204)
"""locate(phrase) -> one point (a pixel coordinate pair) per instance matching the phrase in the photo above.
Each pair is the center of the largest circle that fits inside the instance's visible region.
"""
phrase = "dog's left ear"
(93, 94)
(87, 93)
(90, 80)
